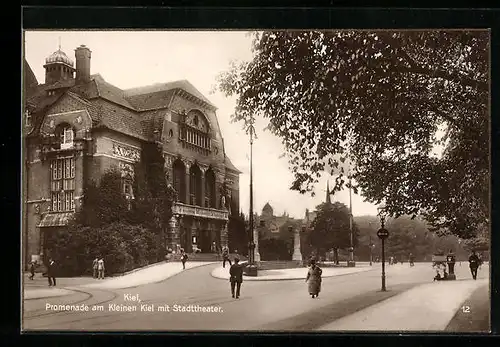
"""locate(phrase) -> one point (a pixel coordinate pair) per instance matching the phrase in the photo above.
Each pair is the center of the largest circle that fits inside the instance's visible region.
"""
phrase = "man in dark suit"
(236, 277)
(51, 269)
(474, 264)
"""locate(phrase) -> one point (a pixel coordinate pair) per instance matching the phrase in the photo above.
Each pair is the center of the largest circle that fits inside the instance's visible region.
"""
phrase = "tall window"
(63, 184)
(210, 189)
(179, 180)
(195, 186)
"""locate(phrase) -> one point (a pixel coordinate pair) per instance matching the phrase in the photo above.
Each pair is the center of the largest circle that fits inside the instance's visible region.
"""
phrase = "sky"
(130, 59)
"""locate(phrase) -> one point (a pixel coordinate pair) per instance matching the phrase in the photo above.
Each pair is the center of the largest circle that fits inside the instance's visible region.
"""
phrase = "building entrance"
(205, 241)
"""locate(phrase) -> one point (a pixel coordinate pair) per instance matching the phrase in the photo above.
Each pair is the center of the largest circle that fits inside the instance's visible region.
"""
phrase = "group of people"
(51, 271)
(313, 277)
(98, 268)
(475, 262)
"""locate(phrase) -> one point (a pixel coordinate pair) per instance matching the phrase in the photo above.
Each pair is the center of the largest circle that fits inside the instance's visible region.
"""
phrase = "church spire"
(328, 200)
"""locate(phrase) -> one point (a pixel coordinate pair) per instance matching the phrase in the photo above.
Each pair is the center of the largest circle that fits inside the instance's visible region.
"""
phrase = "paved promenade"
(290, 274)
(428, 307)
(147, 275)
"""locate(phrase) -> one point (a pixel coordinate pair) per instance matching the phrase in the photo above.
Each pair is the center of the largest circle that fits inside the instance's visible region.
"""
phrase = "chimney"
(82, 55)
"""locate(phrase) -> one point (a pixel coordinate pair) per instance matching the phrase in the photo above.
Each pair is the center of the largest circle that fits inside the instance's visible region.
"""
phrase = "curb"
(286, 279)
(51, 296)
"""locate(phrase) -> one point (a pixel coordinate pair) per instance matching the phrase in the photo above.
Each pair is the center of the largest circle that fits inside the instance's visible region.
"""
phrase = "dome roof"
(59, 57)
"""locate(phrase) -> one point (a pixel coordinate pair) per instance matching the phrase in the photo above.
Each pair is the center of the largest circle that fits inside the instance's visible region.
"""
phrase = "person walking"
(225, 257)
(51, 272)
(313, 279)
(32, 270)
(184, 258)
(94, 267)
(236, 277)
(411, 259)
(100, 268)
(474, 264)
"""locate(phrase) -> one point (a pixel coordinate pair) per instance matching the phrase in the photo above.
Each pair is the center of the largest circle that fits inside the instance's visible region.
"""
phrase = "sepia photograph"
(313, 181)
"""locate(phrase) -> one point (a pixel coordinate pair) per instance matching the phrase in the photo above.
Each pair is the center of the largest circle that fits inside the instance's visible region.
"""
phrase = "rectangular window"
(63, 184)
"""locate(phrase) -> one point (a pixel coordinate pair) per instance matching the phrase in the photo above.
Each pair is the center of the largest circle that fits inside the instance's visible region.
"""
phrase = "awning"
(55, 219)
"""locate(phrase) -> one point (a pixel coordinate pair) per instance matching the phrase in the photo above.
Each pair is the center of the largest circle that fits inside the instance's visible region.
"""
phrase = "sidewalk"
(40, 293)
(428, 307)
(149, 274)
(290, 274)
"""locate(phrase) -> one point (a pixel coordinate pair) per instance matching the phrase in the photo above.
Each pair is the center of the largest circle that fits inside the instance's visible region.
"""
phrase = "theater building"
(77, 125)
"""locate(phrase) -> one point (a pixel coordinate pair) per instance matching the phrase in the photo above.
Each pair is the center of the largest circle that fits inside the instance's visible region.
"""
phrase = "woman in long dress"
(314, 279)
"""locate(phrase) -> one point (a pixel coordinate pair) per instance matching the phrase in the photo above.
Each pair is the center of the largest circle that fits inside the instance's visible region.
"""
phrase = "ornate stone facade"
(108, 128)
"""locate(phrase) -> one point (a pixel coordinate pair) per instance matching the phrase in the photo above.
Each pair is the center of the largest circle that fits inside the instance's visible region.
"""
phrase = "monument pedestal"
(297, 256)
(256, 242)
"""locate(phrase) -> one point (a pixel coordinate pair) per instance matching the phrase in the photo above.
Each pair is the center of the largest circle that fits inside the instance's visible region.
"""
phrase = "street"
(263, 305)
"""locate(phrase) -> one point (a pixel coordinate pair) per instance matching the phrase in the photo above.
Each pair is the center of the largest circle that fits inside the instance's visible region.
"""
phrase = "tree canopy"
(382, 102)
(331, 228)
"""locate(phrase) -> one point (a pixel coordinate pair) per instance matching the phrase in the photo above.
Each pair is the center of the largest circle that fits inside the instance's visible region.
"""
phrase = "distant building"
(77, 125)
(269, 224)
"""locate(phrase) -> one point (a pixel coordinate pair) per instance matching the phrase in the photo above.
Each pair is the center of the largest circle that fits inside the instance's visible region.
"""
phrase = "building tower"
(58, 67)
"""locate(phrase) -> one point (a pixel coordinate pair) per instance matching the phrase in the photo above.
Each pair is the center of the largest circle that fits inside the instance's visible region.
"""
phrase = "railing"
(197, 211)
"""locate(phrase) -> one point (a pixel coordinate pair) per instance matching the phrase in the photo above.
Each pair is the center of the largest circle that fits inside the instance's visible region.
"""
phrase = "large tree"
(381, 101)
(331, 229)
(155, 196)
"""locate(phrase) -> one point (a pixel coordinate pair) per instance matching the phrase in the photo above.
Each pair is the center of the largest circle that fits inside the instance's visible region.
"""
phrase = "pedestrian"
(411, 259)
(225, 257)
(184, 258)
(51, 272)
(32, 270)
(94, 267)
(314, 279)
(100, 268)
(236, 277)
(474, 264)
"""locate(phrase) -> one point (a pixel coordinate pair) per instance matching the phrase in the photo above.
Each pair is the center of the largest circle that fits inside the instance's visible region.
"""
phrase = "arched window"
(179, 180)
(210, 189)
(194, 132)
(195, 186)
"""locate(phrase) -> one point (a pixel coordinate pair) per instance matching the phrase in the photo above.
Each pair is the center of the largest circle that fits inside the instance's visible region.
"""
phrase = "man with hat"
(236, 277)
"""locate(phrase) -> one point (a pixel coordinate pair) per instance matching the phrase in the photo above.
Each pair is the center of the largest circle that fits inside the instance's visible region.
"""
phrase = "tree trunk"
(336, 255)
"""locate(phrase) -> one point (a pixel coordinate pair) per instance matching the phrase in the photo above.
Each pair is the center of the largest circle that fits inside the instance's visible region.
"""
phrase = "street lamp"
(351, 262)
(371, 250)
(382, 233)
(252, 268)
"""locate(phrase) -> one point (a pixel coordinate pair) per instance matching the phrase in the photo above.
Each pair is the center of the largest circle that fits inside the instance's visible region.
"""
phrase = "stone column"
(256, 242)
(297, 255)
(173, 237)
(203, 169)
(187, 165)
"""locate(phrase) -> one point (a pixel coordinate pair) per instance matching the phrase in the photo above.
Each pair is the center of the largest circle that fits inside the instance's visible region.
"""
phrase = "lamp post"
(351, 262)
(371, 251)
(252, 268)
(382, 233)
